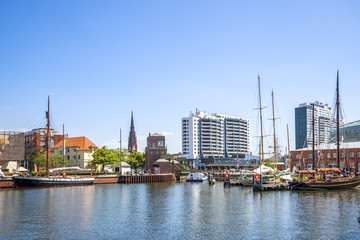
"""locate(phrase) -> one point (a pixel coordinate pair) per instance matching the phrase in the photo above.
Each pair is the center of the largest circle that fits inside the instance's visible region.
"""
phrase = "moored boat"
(27, 182)
(196, 177)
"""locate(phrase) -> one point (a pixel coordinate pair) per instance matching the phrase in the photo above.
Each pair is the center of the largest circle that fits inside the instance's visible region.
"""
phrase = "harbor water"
(177, 211)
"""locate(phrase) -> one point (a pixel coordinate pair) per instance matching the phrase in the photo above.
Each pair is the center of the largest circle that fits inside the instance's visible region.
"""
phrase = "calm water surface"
(176, 211)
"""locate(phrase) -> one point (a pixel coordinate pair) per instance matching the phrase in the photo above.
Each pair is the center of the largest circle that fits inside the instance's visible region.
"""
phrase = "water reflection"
(177, 210)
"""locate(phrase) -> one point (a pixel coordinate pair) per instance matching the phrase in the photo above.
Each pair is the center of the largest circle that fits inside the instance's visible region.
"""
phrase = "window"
(328, 155)
(334, 155)
(42, 138)
(341, 155)
(358, 154)
(42, 144)
(351, 154)
(309, 156)
(78, 156)
(297, 156)
(160, 143)
(68, 157)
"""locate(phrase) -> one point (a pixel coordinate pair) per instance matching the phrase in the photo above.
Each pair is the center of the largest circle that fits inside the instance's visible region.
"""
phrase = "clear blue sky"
(100, 60)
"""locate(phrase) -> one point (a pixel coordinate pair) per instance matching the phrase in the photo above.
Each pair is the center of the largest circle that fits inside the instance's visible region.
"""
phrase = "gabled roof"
(83, 143)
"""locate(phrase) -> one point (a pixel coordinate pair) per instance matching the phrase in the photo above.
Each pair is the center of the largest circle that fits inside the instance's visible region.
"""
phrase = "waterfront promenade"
(176, 211)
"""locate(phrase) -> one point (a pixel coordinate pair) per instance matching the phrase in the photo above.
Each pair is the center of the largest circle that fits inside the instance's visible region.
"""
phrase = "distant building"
(132, 145)
(36, 138)
(324, 124)
(214, 135)
(326, 156)
(349, 132)
(78, 151)
(11, 150)
(155, 148)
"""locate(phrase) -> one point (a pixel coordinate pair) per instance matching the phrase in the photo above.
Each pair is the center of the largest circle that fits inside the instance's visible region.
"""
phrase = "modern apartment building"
(214, 135)
(324, 124)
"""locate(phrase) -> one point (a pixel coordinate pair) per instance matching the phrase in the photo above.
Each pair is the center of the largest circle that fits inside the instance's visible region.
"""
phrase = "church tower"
(132, 137)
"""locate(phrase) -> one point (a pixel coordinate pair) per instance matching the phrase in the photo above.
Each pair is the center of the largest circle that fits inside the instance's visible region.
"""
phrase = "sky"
(100, 60)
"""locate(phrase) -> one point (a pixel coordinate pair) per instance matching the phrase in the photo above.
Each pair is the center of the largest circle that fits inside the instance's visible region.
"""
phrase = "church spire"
(132, 137)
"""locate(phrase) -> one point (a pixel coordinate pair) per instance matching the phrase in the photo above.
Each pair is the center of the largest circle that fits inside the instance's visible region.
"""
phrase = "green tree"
(136, 160)
(38, 157)
(105, 156)
(267, 163)
(56, 161)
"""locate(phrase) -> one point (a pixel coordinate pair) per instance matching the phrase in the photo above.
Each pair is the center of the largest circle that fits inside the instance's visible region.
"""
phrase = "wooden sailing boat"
(341, 182)
(23, 182)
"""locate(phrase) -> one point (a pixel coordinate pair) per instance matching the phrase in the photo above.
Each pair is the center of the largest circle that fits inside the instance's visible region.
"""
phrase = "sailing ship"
(326, 182)
(27, 182)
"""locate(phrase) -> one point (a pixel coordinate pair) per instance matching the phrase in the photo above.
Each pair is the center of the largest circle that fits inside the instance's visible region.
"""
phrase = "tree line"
(102, 157)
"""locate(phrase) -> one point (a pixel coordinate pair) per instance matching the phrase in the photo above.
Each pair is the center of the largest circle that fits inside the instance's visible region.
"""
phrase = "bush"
(43, 173)
(34, 173)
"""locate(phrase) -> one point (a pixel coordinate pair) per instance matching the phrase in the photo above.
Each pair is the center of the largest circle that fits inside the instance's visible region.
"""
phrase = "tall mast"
(48, 137)
(313, 137)
(262, 136)
(287, 126)
(275, 153)
(120, 169)
(338, 119)
(63, 145)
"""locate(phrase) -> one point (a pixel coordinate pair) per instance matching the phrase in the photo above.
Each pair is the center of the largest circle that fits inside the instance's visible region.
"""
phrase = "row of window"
(328, 155)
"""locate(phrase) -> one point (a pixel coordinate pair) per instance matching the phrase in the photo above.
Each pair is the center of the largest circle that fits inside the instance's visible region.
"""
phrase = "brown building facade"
(154, 149)
(326, 156)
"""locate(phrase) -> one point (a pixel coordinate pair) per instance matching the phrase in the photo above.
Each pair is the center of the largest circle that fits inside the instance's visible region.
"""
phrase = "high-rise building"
(323, 126)
(214, 135)
(154, 149)
(132, 145)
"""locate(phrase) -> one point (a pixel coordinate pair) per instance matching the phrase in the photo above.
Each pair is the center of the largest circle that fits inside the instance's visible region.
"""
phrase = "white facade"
(324, 122)
(212, 134)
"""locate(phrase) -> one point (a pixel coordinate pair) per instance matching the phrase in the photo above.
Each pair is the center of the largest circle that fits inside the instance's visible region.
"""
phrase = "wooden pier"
(148, 178)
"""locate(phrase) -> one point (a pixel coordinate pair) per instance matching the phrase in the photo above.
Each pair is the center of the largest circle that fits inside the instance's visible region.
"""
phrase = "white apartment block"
(214, 135)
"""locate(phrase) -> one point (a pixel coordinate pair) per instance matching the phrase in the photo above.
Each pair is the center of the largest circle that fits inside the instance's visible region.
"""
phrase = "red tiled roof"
(83, 143)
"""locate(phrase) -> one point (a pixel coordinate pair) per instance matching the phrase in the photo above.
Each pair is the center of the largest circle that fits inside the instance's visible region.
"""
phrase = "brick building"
(36, 138)
(154, 149)
(325, 156)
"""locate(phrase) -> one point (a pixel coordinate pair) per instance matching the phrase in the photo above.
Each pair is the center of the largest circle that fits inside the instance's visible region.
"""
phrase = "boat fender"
(198, 178)
(257, 176)
(191, 178)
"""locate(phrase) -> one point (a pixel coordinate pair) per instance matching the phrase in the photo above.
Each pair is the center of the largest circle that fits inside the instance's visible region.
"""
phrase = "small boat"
(196, 177)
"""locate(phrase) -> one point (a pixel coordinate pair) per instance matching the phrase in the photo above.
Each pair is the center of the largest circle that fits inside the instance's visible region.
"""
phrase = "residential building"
(78, 151)
(323, 126)
(36, 138)
(132, 144)
(326, 156)
(214, 135)
(155, 148)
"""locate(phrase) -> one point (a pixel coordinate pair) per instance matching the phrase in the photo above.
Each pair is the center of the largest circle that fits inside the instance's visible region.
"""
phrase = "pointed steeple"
(132, 147)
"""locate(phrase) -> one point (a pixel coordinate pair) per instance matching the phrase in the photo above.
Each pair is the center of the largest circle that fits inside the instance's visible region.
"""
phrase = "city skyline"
(101, 60)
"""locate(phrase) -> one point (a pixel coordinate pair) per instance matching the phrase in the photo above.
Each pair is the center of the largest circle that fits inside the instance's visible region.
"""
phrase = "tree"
(136, 160)
(105, 156)
(39, 158)
(267, 163)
